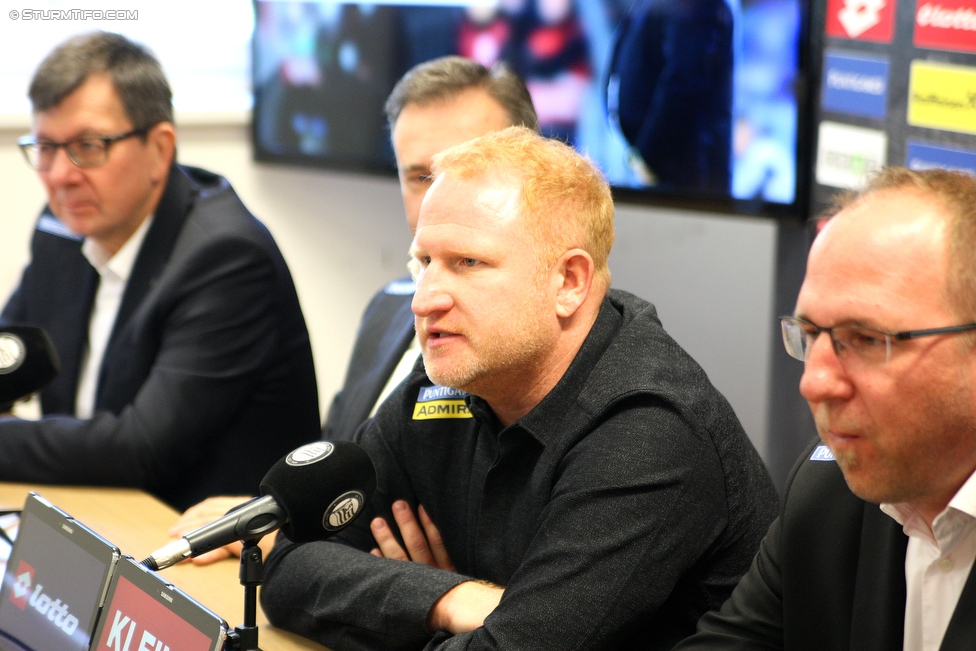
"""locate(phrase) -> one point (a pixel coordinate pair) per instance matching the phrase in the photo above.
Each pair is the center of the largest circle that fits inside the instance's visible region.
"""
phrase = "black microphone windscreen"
(322, 487)
(28, 362)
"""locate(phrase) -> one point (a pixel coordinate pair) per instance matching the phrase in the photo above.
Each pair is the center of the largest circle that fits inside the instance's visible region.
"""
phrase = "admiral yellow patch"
(435, 403)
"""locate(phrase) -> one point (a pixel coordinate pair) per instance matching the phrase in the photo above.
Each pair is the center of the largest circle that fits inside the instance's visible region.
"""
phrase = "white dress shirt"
(114, 274)
(409, 357)
(400, 373)
(937, 564)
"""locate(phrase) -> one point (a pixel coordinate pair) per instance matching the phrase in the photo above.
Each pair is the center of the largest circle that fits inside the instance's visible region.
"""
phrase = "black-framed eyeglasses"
(87, 151)
(873, 347)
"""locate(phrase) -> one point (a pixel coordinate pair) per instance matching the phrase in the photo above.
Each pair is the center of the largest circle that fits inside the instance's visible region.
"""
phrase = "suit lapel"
(878, 612)
(168, 221)
(392, 347)
(961, 633)
(74, 297)
(398, 342)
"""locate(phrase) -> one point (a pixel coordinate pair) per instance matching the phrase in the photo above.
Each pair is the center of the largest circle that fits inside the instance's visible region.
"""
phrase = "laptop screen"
(142, 611)
(54, 581)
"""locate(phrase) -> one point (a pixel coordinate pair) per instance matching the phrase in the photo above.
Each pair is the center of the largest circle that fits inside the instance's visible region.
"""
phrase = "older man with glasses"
(883, 324)
(186, 365)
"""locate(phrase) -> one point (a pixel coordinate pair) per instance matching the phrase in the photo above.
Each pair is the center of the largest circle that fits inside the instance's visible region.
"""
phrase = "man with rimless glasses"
(186, 368)
(885, 324)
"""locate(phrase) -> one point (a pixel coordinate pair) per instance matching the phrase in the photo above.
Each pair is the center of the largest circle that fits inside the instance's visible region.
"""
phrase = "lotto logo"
(53, 609)
(865, 20)
(21, 587)
(946, 25)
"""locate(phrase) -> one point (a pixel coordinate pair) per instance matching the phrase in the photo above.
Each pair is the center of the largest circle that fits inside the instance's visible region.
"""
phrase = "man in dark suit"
(436, 105)
(884, 321)
(186, 365)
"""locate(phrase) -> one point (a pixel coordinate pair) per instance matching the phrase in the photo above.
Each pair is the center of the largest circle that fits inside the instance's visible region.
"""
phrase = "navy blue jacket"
(384, 335)
(207, 378)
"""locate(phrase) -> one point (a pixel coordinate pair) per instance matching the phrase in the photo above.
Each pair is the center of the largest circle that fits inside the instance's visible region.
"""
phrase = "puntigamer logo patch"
(436, 403)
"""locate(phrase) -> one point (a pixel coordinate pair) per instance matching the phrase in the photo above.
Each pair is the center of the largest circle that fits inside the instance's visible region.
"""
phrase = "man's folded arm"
(337, 593)
(614, 540)
(345, 597)
(617, 535)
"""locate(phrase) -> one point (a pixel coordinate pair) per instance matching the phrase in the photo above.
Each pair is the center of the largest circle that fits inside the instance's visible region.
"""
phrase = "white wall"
(344, 236)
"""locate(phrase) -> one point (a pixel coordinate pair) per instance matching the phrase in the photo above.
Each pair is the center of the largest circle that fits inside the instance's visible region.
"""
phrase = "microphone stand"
(251, 575)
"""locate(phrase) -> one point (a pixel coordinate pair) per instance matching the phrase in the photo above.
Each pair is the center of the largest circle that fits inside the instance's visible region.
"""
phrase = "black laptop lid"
(143, 611)
(54, 583)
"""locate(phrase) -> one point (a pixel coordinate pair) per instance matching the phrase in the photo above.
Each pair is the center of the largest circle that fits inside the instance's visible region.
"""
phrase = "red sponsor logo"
(23, 581)
(130, 631)
(864, 20)
(946, 24)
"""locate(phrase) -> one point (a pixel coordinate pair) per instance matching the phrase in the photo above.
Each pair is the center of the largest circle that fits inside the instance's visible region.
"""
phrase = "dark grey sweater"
(615, 513)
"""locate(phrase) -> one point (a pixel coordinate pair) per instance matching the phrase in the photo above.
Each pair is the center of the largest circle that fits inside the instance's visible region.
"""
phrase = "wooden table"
(138, 523)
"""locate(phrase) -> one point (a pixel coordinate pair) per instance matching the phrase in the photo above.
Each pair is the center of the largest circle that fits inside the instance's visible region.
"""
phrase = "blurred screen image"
(684, 98)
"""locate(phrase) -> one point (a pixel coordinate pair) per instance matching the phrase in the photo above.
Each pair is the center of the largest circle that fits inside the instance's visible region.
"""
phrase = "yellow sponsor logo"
(437, 409)
(942, 96)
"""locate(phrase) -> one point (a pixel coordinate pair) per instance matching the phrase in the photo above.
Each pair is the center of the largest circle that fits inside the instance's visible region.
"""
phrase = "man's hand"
(206, 512)
(423, 541)
(464, 607)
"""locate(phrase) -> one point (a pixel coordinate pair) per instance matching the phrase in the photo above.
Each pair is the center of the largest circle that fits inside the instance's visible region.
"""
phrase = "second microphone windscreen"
(322, 487)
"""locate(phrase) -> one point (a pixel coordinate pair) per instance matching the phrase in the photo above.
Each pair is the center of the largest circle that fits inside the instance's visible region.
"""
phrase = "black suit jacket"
(207, 378)
(829, 575)
(383, 337)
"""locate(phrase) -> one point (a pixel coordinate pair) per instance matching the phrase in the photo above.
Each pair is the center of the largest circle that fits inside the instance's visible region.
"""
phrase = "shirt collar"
(124, 259)
(965, 498)
(964, 501)
(544, 421)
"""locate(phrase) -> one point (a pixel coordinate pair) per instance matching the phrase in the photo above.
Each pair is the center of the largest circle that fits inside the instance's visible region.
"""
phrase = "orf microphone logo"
(309, 453)
(343, 510)
(12, 353)
(22, 585)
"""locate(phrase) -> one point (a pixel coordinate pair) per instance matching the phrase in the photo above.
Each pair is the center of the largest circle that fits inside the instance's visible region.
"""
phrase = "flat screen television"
(688, 103)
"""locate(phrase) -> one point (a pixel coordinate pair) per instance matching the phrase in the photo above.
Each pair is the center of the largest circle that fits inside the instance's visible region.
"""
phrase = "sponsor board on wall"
(855, 84)
(922, 156)
(897, 84)
(946, 25)
(847, 155)
(866, 20)
(942, 96)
